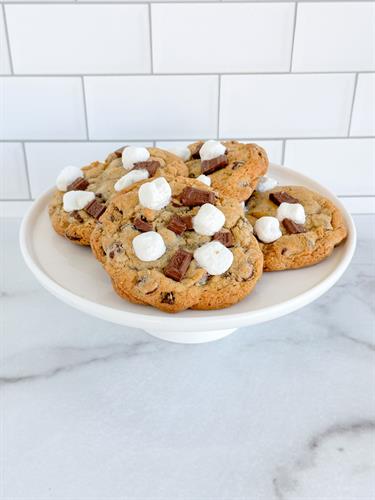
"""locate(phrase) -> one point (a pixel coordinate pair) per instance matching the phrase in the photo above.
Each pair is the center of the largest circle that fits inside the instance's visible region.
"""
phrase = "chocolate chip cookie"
(234, 171)
(295, 226)
(96, 184)
(195, 250)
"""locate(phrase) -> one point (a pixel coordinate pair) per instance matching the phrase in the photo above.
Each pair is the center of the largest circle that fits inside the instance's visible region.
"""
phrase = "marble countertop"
(284, 410)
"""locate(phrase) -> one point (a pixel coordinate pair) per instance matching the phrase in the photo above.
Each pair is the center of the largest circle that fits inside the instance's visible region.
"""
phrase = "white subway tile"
(45, 160)
(346, 166)
(13, 180)
(285, 105)
(4, 53)
(42, 108)
(68, 39)
(359, 205)
(363, 120)
(334, 36)
(152, 107)
(222, 37)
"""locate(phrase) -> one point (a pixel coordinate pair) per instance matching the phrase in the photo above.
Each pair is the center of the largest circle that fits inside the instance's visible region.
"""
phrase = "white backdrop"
(81, 78)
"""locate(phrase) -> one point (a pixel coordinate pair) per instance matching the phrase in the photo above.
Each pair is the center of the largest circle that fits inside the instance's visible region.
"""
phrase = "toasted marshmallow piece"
(67, 176)
(134, 154)
(267, 229)
(130, 178)
(266, 183)
(211, 149)
(76, 200)
(149, 246)
(292, 211)
(155, 194)
(213, 257)
(183, 152)
(208, 220)
(205, 179)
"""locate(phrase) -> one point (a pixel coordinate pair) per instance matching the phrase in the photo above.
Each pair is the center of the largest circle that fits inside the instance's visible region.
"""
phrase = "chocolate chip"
(209, 166)
(194, 150)
(237, 164)
(225, 237)
(116, 248)
(142, 225)
(177, 225)
(178, 265)
(95, 209)
(282, 197)
(79, 184)
(76, 215)
(150, 165)
(73, 238)
(167, 298)
(188, 221)
(292, 227)
(192, 197)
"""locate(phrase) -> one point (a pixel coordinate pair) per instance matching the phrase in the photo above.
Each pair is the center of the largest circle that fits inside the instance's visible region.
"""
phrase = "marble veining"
(281, 411)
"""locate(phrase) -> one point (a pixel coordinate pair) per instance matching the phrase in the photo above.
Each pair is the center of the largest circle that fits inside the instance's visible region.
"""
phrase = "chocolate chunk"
(150, 165)
(95, 209)
(79, 184)
(188, 221)
(192, 197)
(177, 225)
(282, 197)
(76, 215)
(292, 227)
(167, 298)
(178, 265)
(142, 225)
(209, 166)
(225, 237)
(195, 151)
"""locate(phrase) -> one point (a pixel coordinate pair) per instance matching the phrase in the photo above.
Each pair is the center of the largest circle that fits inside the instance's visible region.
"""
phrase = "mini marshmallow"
(205, 179)
(134, 154)
(267, 229)
(76, 200)
(182, 152)
(67, 176)
(292, 211)
(148, 246)
(208, 220)
(130, 178)
(211, 149)
(213, 257)
(266, 183)
(155, 194)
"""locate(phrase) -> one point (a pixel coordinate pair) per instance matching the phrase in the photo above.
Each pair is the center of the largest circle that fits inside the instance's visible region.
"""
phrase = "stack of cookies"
(194, 227)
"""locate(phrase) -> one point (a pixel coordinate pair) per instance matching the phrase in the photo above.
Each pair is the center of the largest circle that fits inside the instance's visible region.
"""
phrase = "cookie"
(77, 219)
(233, 168)
(176, 244)
(295, 226)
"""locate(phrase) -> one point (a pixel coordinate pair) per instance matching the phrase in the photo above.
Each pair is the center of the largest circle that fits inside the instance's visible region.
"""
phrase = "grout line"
(8, 41)
(352, 105)
(26, 170)
(150, 36)
(218, 107)
(85, 108)
(294, 36)
(283, 152)
(233, 73)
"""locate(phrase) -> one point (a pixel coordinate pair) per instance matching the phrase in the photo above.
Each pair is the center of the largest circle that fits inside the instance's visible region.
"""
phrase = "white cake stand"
(73, 275)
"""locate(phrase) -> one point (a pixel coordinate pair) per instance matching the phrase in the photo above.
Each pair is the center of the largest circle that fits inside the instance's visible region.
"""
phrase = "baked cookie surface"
(245, 163)
(101, 177)
(174, 281)
(300, 244)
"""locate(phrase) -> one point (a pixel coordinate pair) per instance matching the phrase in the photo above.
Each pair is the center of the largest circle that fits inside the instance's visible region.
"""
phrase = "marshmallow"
(76, 200)
(266, 183)
(267, 229)
(205, 179)
(130, 178)
(155, 194)
(292, 211)
(213, 257)
(182, 152)
(133, 154)
(208, 220)
(211, 149)
(149, 246)
(67, 176)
